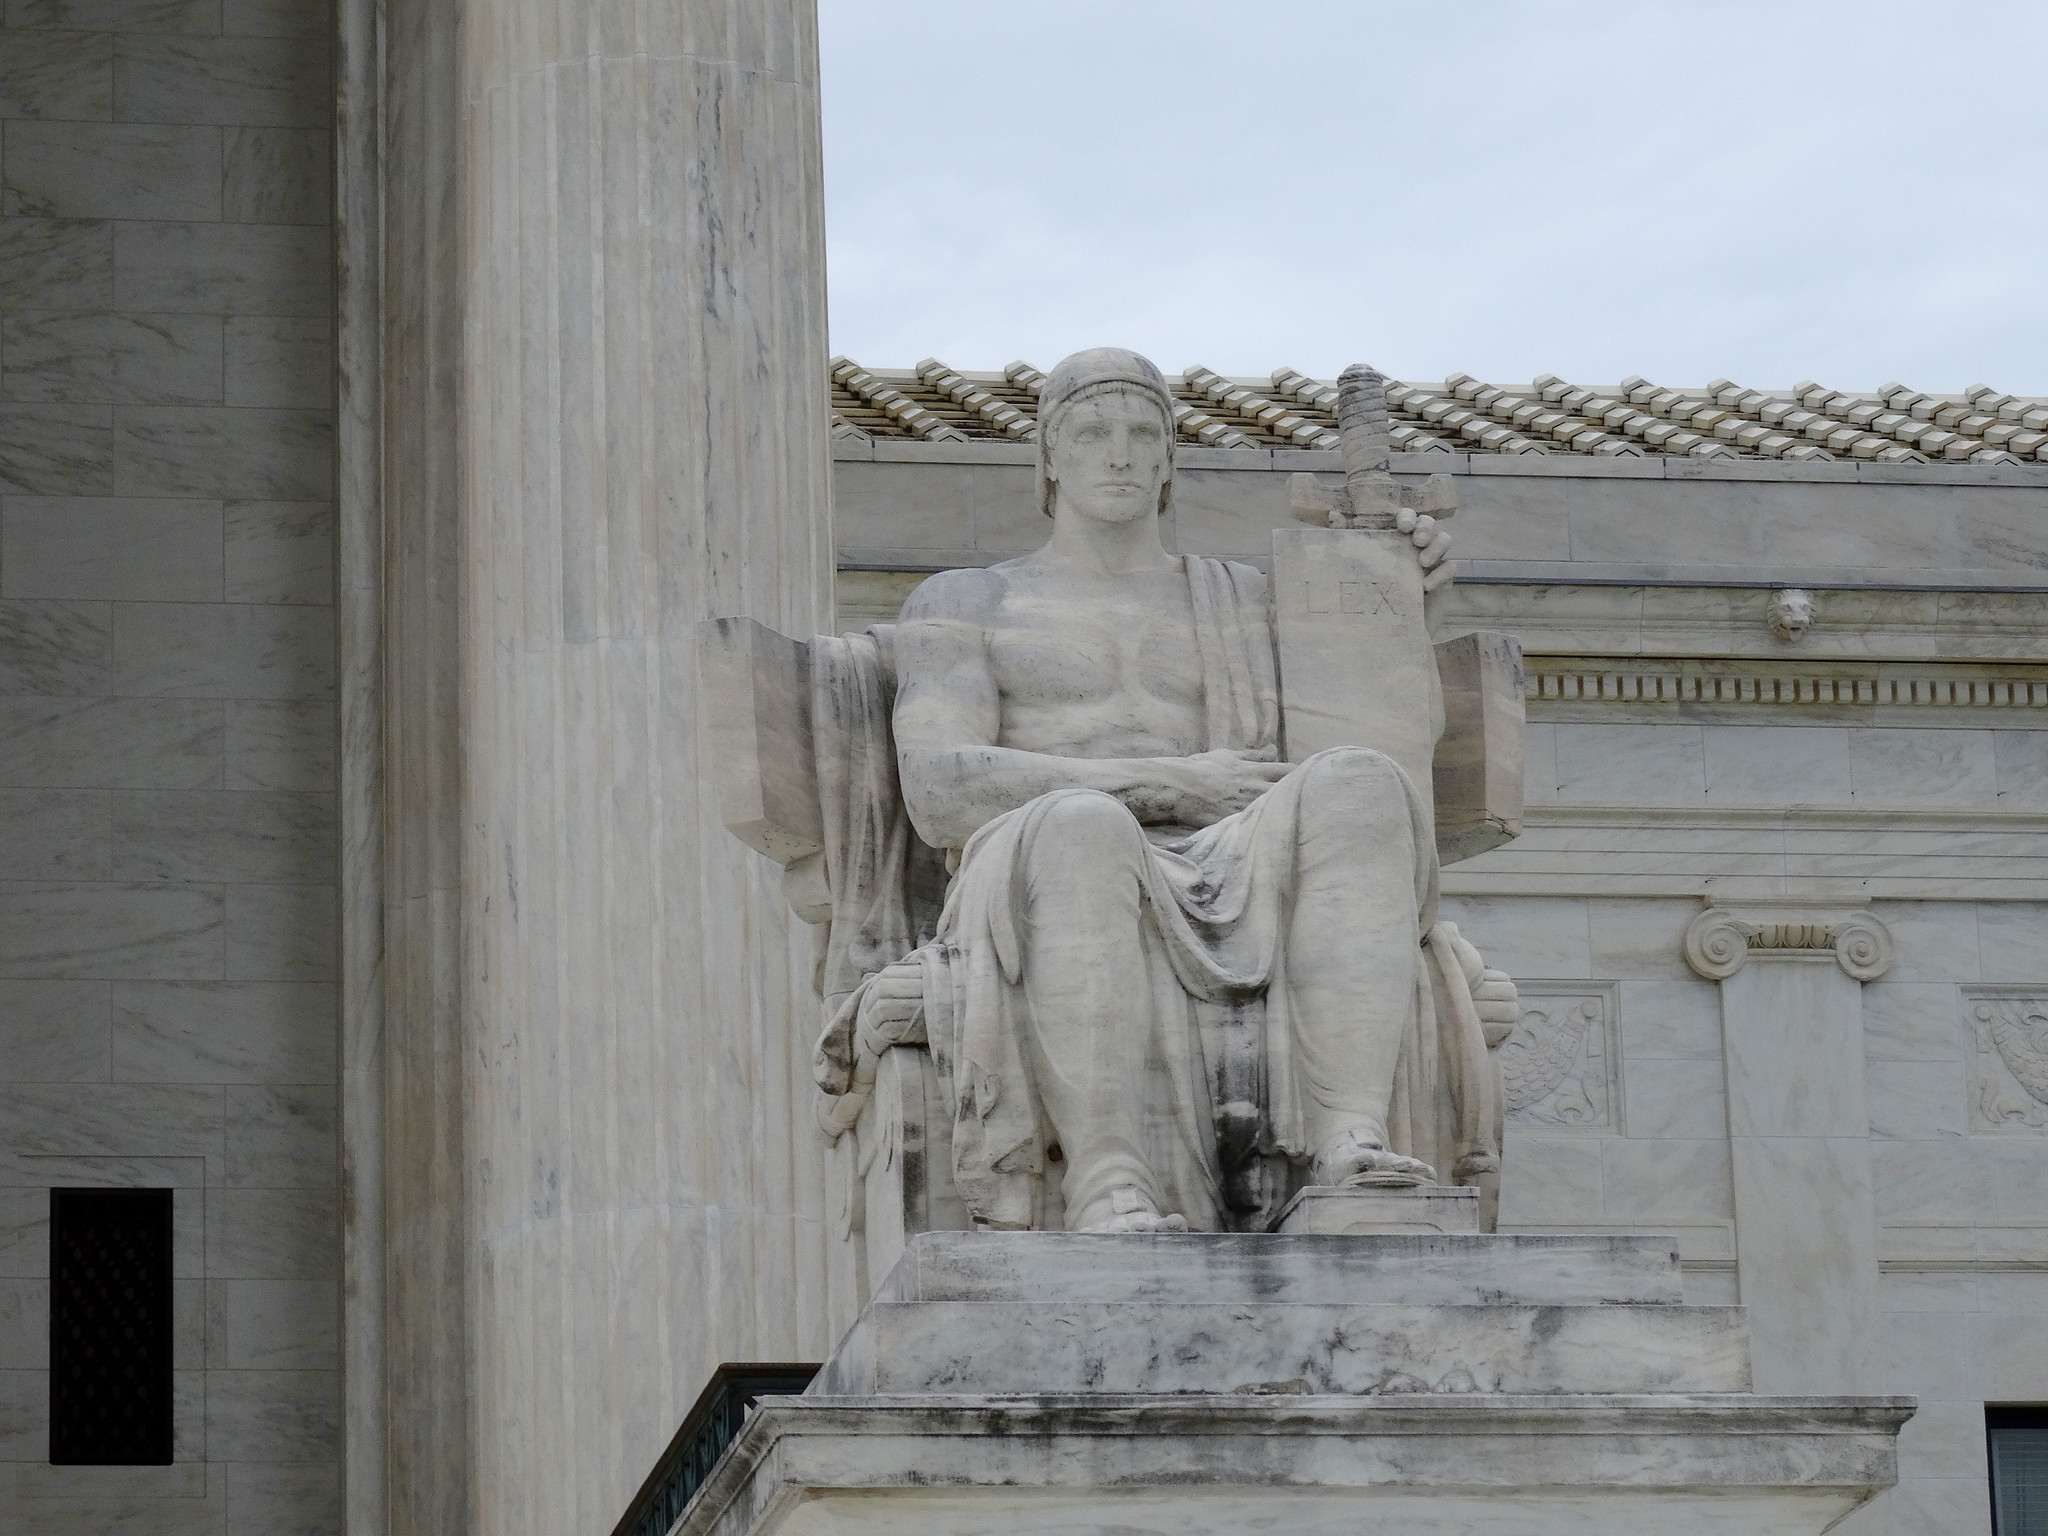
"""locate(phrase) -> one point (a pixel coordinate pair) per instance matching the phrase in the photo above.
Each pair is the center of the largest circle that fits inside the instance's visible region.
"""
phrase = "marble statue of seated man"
(1167, 959)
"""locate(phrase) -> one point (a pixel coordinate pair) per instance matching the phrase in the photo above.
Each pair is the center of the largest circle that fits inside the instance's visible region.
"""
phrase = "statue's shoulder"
(967, 596)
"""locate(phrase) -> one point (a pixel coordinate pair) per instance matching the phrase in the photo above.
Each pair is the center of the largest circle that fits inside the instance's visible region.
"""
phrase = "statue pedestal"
(1339, 1211)
(1189, 1384)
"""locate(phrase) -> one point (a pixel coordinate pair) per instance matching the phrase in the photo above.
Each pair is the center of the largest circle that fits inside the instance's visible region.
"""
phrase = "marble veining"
(247, 81)
(120, 359)
(56, 75)
(278, 176)
(235, 269)
(59, 264)
(110, 171)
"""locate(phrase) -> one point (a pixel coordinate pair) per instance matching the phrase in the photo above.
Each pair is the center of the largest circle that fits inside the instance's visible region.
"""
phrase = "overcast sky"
(1849, 192)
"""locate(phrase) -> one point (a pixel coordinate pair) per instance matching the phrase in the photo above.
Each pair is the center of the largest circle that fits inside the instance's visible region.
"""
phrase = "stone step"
(1039, 1347)
(1223, 1267)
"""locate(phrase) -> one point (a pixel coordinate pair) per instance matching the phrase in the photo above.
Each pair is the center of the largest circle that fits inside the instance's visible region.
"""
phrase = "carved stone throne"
(803, 734)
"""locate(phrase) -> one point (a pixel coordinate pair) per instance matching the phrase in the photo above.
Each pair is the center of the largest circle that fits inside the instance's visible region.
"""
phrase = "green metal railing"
(711, 1425)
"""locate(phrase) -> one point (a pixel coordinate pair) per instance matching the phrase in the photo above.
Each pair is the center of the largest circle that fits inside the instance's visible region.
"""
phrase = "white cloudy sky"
(1852, 191)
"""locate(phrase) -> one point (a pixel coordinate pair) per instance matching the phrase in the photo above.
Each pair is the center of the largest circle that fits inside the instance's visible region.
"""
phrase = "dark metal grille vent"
(2019, 1469)
(708, 1428)
(110, 1327)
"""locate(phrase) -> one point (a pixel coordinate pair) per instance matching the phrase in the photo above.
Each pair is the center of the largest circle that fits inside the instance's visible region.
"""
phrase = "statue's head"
(1105, 436)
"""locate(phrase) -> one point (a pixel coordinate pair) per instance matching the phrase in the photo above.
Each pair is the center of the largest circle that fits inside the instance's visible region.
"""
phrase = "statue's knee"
(1354, 783)
(1087, 821)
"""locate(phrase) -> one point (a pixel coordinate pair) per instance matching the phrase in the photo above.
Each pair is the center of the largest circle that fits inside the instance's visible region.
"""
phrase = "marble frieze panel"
(1560, 1067)
(2008, 1034)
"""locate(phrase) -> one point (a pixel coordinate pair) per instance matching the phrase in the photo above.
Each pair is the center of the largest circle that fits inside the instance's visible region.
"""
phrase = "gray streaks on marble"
(1527, 937)
(183, 1483)
(278, 176)
(1922, 767)
(280, 361)
(2021, 759)
(2012, 938)
(1652, 1181)
(235, 269)
(271, 1234)
(281, 1138)
(116, 931)
(55, 1031)
(73, 743)
(1670, 1018)
(270, 1325)
(117, 15)
(1911, 1021)
(1935, 940)
(273, 1415)
(57, 450)
(1549, 1180)
(283, 1499)
(54, 834)
(222, 1032)
(188, 451)
(965, 1347)
(280, 745)
(1630, 765)
(263, 836)
(111, 1120)
(1674, 1098)
(246, 81)
(1775, 765)
(1916, 1100)
(56, 75)
(110, 171)
(280, 552)
(56, 264)
(224, 651)
(25, 1324)
(106, 548)
(1219, 1268)
(280, 933)
(1638, 937)
(119, 359)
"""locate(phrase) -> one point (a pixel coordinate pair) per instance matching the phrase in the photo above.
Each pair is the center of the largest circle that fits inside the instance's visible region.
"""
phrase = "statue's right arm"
(949, 715)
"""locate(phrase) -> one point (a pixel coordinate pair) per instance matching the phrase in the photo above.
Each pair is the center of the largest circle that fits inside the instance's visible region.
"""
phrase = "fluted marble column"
(1799, 1135)
(604, 418)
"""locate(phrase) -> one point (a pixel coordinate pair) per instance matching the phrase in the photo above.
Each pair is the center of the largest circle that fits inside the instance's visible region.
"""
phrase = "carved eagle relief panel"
(1558, 1068)
(2009, 1085)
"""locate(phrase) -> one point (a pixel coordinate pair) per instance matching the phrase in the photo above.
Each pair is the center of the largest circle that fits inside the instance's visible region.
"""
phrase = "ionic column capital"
(1719, 942)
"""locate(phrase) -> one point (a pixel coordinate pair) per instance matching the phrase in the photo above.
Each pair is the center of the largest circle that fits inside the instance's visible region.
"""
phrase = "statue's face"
(1108, 456)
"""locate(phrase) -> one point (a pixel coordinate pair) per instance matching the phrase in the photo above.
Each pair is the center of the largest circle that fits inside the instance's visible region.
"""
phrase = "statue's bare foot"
(1359, 1159)
(1130, 1211)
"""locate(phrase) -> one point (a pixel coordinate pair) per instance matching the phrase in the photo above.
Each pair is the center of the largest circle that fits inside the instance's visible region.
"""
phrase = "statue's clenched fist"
(1432, 546)
(1499, 1005)
(892, 1012)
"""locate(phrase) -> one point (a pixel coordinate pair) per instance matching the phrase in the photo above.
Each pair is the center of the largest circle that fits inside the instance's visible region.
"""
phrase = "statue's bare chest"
(1121, 657)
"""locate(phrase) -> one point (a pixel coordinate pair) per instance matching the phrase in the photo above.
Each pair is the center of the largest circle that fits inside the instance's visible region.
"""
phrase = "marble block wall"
(167, 838)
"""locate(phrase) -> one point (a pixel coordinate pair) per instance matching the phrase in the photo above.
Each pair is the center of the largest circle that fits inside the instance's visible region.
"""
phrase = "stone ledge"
(1196, 1463)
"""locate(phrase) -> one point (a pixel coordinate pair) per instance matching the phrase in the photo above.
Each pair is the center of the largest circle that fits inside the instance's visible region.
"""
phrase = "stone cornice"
(1722, 939)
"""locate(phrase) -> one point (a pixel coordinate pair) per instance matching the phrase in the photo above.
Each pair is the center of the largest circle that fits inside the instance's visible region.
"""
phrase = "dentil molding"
(1719, 942)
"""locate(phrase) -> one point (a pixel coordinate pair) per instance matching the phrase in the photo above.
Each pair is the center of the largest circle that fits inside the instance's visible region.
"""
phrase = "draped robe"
(1230, 1075)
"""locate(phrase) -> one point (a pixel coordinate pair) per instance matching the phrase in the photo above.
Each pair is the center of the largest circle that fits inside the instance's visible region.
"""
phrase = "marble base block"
(1337, 1210)
(1263, 1313)
(1223, 1269)
(1302, 1384)
(1221, 1465)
